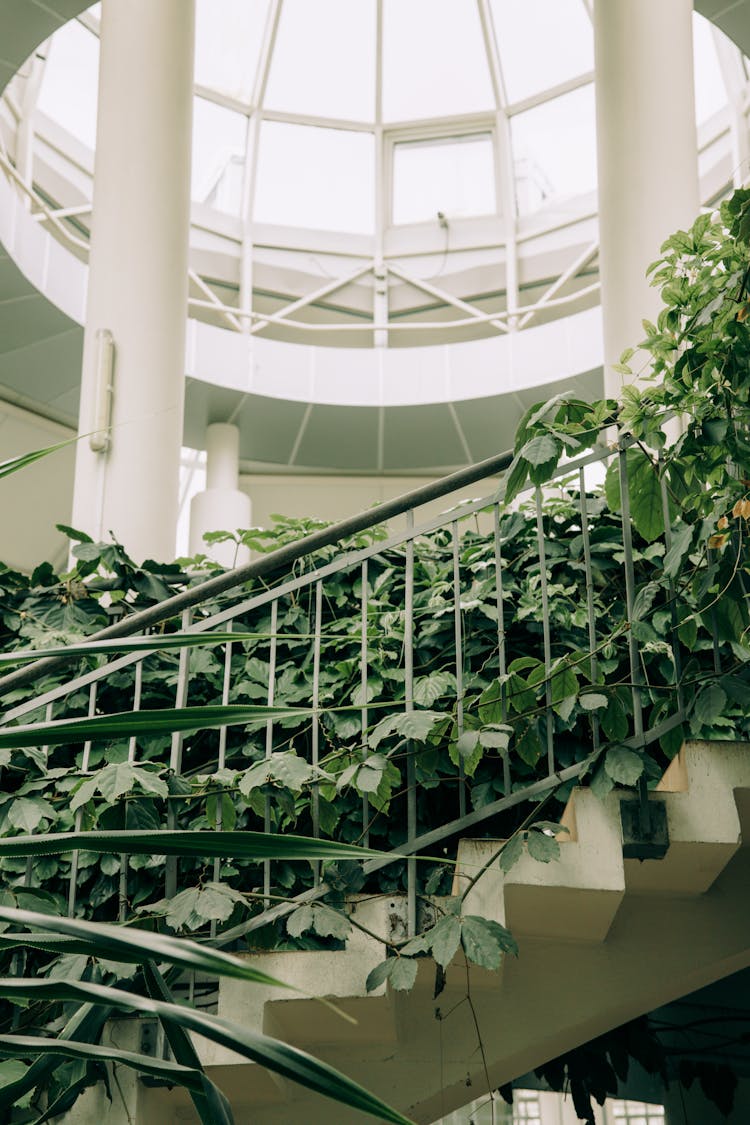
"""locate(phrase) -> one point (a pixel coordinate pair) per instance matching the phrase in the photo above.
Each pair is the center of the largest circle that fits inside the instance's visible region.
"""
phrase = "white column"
(138, 274)
(222, 507)
(647, 154)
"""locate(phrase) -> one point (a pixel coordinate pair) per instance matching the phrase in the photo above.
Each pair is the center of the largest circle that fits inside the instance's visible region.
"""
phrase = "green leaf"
(564, 682)
(115, 780)
(284, 768)
(211, 1105)
(289, 1062)
(682, 538)
(416, 725)
(320, 919)
(444, 938)
(623, 766)
(479, 943)
(162, 643)
(127, 724)
(593, 701)
(13, 1070)
(541, 449)
(428, 689)
(512, 852)
(403, 973)
(542, 847)
(228, 845)
(128, 943)
(27, 813)
(710, 704)
(645, 495)
(172, 1073)
(13, 464)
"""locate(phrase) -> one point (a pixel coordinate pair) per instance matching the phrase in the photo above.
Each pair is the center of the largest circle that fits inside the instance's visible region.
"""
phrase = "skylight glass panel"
(434, 60)
(68, 93)
(554, 150)
(710, 88)
(228, 38)
(219, 142)
(319, 178)
(541, 43)
(324, 60)
(450, 176)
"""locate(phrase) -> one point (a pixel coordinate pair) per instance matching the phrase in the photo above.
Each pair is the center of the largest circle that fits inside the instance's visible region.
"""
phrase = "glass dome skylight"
(431, 142)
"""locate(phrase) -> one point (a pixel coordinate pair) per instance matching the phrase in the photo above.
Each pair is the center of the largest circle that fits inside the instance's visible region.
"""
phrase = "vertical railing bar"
(269, 743)
(627, 542)
(594, 663)
(314, 792)
(222, 754)
(459, 649)
(137, 694)
(175, 756)
(85, 760)
(546, 634)
(48, 713)
(502, 667)
(363, 661)
(122, 893)
(676, 657)
(411, 774)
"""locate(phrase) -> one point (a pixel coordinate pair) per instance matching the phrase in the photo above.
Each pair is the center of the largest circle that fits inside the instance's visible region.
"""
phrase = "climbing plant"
(690, 504)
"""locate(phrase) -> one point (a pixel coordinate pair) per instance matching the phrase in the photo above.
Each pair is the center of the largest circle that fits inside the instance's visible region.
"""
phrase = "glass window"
(434, 60)
(554, 149)
(318, 178)
(634, 1113)
(219, 140)
(324, 59)
(68, 92)
(541, 43)
(228, 38)
(710, 89)
(451, 175)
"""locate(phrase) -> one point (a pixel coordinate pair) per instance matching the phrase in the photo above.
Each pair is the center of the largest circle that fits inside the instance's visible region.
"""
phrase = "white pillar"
(138, 274)
(222, 507)
(647, 154)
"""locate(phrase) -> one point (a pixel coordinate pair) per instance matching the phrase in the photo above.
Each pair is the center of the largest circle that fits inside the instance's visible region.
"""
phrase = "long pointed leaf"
(289, 1062)
(13, 464)
(85, 1025)
(15, 1046)
(128, 943)
(157, 643)
(203, 843)
(211, 1105)
(126, 724)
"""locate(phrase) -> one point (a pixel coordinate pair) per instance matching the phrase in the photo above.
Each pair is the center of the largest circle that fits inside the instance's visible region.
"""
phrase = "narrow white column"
(222, 507)
(647, 154)
(138, 275)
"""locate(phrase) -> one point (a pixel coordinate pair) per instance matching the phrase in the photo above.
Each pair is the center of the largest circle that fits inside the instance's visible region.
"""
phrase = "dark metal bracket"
(645, 834)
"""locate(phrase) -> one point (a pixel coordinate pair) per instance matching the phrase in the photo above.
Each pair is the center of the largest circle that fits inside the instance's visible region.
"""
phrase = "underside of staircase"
(602, 940)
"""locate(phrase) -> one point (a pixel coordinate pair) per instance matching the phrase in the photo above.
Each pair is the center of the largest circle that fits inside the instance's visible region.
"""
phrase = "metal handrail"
(356, 562)
(277, 560)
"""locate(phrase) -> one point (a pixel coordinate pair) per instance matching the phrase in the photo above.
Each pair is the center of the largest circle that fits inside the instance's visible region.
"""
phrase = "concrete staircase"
(602, 940)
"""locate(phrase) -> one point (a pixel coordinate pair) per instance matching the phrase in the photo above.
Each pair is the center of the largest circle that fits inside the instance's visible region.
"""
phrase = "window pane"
(219, 139)
(710, 90)
(68, 92)
(319, 178)
(228, 37)
(554, 150)
(541, 43)
(453, 175)
(434, 59)
(324, 59)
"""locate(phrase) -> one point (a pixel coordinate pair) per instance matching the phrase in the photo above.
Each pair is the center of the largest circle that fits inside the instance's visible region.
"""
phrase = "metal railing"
(406, 623)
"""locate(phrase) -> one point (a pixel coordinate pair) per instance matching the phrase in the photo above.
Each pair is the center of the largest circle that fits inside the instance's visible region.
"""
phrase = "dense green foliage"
(690, 506)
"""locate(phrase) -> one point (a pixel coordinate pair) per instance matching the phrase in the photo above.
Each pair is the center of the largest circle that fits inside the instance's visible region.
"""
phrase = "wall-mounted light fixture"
(100, 437)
